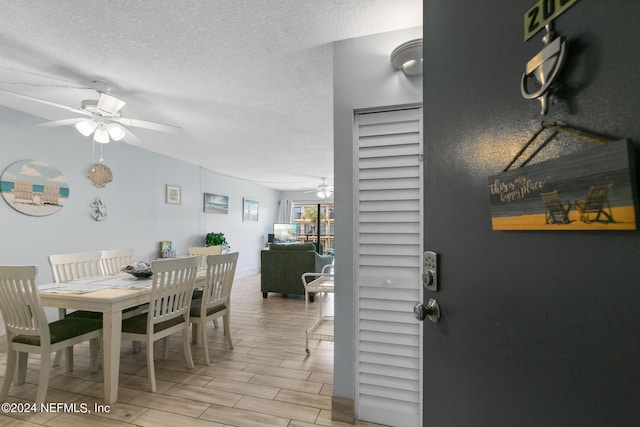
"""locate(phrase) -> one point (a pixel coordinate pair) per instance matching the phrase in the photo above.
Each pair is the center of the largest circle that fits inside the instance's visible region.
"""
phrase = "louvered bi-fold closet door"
(388, 234)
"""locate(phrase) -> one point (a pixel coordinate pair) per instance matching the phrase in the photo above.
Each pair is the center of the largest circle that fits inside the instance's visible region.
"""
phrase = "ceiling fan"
(100, 118)
(323, 191)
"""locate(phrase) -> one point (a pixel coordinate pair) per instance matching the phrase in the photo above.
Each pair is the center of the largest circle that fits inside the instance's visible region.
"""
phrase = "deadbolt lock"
(430, 271)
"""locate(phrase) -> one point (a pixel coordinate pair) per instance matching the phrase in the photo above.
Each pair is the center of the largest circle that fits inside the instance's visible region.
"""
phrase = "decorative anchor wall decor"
(545, 67)
(99, 212)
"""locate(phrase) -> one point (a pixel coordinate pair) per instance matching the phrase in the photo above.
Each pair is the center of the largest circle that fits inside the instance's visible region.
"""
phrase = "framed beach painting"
(250, 209)
(216, 204)
(34, 187)
(173, 194)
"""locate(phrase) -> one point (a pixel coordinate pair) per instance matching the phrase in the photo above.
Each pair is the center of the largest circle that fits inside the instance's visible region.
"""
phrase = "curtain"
(285, 212)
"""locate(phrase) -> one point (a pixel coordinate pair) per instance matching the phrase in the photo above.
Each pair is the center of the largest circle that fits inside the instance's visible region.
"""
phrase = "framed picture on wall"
(173, 194)
(250, 209)
(215, 203)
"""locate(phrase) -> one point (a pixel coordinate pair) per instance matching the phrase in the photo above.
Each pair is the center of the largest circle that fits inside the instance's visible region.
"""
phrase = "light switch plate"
(430, 271)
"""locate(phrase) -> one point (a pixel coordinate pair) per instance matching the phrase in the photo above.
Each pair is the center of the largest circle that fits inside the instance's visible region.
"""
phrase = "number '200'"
(543, 12)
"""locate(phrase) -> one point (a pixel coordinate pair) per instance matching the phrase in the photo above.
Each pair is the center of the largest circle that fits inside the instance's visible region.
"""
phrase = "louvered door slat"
(391, 128)
(389, 239)
(389, 371)
(398, 115)
(390, 184)
(392, 328)
(389, 173)
(386, 140)
(383, 359)
(399, 195)
(385, 150)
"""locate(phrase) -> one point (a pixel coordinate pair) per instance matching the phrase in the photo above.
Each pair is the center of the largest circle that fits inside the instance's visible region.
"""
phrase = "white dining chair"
(73, 266)
(203, 251)
(216, 299)
(112, 260)
(171, 289)
(29, 332)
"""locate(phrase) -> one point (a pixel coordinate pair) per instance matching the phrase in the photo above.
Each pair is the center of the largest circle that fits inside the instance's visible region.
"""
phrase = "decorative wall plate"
(34, 187)
(99, 174)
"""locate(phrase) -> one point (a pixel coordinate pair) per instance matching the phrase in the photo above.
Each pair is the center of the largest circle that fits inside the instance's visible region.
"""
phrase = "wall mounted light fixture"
(408, 57)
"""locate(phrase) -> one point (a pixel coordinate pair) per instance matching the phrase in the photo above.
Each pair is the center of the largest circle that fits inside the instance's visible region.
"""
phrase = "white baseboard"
(247, 273)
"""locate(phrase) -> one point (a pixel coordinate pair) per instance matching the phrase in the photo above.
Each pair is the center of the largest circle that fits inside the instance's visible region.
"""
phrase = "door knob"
(432, 311)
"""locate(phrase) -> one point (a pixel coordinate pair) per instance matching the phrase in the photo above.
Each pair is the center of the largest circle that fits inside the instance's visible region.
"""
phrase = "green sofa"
(283, 264)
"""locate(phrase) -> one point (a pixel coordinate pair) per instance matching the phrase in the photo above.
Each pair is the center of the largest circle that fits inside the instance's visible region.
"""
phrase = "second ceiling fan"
(324, 191)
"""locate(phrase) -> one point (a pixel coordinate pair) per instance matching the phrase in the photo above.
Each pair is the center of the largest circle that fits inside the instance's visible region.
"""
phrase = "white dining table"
(110, 295)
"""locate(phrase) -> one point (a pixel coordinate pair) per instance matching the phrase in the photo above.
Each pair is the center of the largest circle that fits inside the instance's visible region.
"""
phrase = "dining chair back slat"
(66, 267)
(112, 260)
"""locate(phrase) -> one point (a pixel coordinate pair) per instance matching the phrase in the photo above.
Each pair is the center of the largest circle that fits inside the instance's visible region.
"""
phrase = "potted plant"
(217, 239)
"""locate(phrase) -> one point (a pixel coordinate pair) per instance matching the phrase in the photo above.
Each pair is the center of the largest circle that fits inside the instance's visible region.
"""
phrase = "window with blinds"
(388, 235)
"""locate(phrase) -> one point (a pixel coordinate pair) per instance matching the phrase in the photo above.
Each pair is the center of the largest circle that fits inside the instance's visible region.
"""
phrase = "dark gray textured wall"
(538, 328)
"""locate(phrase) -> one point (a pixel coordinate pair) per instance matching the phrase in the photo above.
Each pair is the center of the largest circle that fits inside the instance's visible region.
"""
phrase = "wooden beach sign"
(590, 190)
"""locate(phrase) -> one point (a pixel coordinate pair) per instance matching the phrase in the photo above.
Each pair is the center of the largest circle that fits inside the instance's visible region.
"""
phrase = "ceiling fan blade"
(147, 125)
(56, 123)
(131, 138)
(42, 101)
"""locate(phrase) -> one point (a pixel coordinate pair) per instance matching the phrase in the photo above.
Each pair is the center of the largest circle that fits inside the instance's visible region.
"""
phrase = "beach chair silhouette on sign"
(596, 203)
(556, 212)
(22, 192)
(51, 194)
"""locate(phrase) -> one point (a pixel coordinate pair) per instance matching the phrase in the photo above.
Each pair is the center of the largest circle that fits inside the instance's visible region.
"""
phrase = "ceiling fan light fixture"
(86, 126)
(101, 134)
(116, 132)
(324, 194)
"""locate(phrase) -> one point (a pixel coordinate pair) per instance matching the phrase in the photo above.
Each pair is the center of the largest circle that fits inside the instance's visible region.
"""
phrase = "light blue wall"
(363, 78)
(138, 216)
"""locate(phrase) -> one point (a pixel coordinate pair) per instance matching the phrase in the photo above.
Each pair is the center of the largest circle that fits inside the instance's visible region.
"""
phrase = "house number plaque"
(542, 13)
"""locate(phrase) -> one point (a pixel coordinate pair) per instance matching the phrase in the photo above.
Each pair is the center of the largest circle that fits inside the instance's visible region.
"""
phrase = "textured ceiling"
(249, 81)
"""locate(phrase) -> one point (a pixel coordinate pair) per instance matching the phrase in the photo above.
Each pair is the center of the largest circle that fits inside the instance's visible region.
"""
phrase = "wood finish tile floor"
(266, 380)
